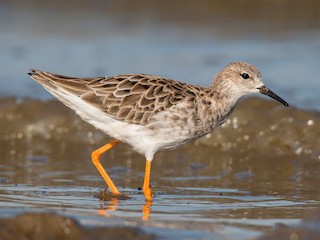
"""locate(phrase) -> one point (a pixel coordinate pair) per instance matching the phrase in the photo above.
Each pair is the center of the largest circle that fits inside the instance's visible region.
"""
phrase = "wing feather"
(132, 98)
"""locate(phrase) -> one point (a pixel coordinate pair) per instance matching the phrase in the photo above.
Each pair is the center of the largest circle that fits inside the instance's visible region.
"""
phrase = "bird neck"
(223, 101)
(224, 93)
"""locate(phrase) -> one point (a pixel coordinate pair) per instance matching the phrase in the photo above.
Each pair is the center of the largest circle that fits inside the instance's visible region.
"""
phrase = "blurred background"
(185, 40)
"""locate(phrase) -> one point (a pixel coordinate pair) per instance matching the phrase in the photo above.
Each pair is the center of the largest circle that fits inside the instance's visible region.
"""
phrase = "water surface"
(259, 169)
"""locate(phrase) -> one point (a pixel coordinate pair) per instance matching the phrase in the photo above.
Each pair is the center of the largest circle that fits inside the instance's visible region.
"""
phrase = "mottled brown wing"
(135, 98)
(132, 98)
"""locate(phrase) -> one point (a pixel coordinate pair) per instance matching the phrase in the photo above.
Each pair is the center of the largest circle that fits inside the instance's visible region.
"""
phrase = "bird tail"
(51, 82)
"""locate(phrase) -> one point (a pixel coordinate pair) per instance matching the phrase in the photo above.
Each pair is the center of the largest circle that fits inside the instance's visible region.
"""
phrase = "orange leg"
(146, 184)
(96, 161)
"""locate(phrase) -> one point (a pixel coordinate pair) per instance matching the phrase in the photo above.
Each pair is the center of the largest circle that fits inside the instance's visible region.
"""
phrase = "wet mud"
(39, 226)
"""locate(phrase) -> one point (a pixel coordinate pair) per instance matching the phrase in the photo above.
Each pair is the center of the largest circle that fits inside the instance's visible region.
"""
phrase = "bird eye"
(244, 75)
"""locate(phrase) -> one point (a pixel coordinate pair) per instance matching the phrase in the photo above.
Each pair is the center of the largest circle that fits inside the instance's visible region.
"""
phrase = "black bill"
(264, 90)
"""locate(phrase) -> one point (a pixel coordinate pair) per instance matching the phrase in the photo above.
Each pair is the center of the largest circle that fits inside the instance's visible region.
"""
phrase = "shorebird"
(152, 113)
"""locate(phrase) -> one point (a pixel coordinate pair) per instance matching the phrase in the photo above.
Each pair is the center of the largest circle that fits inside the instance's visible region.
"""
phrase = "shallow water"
(257, 170)
(256, 177)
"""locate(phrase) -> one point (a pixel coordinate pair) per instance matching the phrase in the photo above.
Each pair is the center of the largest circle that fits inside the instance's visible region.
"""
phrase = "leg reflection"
(111, 206)
(146, 210)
